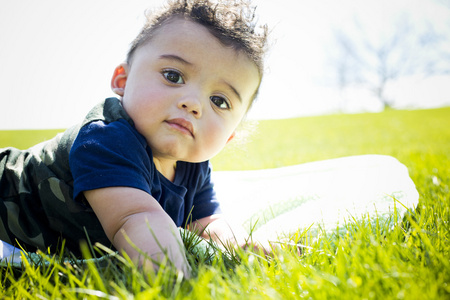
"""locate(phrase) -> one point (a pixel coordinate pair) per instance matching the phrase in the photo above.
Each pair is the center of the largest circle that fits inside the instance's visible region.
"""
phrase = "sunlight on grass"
(367, 260)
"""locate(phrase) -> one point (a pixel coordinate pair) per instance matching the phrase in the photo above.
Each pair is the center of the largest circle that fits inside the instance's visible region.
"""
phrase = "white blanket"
(322, 194)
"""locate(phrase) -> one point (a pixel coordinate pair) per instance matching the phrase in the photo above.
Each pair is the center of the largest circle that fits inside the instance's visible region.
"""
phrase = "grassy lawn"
(409, 260)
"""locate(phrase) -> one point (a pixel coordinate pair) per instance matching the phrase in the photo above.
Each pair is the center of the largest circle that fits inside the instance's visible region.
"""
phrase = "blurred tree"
(362, 59)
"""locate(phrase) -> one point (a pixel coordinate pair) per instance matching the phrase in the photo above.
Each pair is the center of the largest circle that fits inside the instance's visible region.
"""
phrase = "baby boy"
(137, 167)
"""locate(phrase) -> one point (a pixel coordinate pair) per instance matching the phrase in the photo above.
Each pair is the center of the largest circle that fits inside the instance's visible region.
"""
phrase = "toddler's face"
(186, 92)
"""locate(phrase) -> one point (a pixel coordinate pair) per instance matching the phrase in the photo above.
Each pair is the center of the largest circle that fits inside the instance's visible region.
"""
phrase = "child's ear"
(231, 136)
(119, 79)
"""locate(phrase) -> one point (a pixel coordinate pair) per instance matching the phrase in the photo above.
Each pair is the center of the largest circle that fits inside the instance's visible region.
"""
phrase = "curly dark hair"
(232, 22)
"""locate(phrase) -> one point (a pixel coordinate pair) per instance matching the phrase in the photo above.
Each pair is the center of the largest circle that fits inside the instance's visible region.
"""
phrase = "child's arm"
(124, 211)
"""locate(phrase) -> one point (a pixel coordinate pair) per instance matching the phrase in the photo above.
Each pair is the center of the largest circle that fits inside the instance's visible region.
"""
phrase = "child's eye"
(220, 102)
(173, 77)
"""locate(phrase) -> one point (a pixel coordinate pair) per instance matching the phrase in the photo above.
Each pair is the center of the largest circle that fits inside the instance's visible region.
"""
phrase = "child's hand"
(129, 214)
(219, 230)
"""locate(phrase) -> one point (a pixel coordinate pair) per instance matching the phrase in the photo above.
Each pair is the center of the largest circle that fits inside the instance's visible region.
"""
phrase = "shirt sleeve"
(109, 155)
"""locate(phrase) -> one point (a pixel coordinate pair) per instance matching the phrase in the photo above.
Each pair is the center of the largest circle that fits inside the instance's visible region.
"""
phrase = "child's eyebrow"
(234, 91)
(175, 57)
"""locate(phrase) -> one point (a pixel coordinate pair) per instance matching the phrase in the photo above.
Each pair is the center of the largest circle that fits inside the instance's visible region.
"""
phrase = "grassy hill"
(285, 142)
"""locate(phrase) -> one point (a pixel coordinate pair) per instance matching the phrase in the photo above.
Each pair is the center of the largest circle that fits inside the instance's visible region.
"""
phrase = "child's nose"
(192, 105)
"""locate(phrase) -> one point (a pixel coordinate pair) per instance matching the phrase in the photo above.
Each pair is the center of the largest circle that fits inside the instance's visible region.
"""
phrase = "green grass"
(410, 261)
(23, 139)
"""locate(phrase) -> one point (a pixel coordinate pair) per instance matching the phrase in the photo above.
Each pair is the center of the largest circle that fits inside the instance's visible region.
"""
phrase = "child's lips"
(182, 125)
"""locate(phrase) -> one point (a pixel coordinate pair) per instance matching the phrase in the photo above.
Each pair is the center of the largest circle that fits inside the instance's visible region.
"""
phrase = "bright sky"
(57, 56)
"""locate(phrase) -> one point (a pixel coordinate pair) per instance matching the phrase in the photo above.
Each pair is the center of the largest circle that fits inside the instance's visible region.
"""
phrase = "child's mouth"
(182, 125)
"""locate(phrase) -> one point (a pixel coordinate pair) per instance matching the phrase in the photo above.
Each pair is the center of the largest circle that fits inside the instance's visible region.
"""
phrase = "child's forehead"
(184, 33)
(179, 27)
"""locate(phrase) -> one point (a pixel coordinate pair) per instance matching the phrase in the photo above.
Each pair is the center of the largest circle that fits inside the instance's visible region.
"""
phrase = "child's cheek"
(218, 135)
